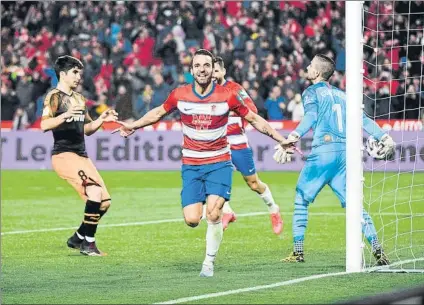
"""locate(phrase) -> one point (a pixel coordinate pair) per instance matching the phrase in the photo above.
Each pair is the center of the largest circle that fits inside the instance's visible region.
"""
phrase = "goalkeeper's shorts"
(321, 169)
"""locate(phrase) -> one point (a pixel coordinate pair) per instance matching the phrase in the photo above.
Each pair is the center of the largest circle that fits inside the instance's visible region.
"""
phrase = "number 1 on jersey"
(338, 109)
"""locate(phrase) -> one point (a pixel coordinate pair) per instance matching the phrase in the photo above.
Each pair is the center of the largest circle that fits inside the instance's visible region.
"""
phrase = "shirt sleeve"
(171, 101)
(51, 103)
(237, 105)
(243, 95)
(372, 128)
(310, 104)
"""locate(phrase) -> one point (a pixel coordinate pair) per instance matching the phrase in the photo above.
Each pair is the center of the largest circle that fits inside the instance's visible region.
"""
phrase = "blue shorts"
(321, 169)
(200, 181)
(243, 161)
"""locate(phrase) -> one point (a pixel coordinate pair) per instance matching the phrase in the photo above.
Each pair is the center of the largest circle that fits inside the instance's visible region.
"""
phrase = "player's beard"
(309, 77)
(219, 81)
(205, 82)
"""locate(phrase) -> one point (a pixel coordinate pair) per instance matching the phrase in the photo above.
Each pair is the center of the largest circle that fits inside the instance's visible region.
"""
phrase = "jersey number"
(338, 109)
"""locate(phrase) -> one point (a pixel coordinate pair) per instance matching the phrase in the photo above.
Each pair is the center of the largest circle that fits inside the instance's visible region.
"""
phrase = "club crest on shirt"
(202, 121)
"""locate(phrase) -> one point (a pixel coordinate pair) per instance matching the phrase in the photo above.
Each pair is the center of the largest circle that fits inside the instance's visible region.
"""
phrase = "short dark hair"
(219, 61)
(202, 52)
(326, 66)
(66, 63)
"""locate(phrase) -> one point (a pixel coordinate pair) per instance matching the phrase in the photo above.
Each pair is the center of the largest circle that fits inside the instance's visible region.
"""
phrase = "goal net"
(393, 191)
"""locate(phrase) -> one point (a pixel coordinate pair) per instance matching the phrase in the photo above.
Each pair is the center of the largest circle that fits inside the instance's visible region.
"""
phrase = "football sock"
(227, 208)
(214, 235)
(91, 218)
(298, 246)
(81, 231)
(269, 200)
(300, 222)
(369, 231)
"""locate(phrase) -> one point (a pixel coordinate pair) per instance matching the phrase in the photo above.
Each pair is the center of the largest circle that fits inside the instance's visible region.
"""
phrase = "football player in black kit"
(65, 113)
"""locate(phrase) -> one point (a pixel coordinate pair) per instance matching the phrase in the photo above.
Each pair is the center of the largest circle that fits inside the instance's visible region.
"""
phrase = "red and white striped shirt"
(204, 120)
(235, 130)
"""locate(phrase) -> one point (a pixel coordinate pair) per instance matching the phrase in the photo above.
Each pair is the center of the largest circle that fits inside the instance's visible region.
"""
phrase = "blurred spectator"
(20, 119)
(275, 104)
(123, 104)
(259, 102)
(125, 45)
(295, 108)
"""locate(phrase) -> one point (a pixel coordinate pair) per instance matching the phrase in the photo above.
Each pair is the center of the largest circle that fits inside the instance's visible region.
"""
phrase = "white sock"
(269, 200)
(90, 239)
(226, 208)
(204, 212)
(214, 235)
(79, 235)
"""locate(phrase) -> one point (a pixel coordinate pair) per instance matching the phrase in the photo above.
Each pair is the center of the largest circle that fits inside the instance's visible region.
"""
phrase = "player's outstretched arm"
(149, 118)
(263, 126)
(372, 128)
(91, 126)
(49, 123)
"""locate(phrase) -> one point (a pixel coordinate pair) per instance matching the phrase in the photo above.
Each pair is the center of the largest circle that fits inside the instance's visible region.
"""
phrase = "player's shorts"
(77, 171)
(200, 181)
(243, 161)
(319, 170)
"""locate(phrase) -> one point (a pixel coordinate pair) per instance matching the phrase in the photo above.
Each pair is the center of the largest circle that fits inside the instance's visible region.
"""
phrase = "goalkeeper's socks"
(226, 209)
(375, 244)
(269, 200)
(214, 235)
(300, 220)
(368, 227)
(298, 246)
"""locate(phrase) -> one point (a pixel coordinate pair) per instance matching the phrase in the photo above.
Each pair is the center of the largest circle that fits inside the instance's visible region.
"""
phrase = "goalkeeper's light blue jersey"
(325, 113)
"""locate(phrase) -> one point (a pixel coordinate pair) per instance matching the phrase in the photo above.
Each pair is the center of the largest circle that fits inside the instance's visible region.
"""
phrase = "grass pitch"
(155, 257)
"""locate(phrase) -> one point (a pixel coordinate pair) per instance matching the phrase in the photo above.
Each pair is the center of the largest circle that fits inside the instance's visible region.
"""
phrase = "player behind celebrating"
(207, 169)
(241, 153)
(325, 113)
(66, 115)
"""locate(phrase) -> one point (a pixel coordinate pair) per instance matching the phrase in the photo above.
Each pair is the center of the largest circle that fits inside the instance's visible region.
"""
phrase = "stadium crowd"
(135, 53)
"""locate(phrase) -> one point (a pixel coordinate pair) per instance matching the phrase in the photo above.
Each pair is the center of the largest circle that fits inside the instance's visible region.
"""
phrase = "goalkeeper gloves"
(383, 149)
(283, 152)
(282, 155)
(387, 151)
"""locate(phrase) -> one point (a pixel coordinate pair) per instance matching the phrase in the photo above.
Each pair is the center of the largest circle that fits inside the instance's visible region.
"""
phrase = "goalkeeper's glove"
(387, 151)
(383, 149)
(283, 155)
(285, 149)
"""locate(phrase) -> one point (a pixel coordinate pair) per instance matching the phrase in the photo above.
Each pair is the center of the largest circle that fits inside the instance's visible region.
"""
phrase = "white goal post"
(354, 151)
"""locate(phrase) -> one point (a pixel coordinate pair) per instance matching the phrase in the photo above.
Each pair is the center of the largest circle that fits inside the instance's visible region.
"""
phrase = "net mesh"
(393, 90)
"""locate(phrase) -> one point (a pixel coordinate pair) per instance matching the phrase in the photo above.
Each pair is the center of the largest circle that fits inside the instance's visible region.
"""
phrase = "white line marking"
(152, 222)
(249, 289)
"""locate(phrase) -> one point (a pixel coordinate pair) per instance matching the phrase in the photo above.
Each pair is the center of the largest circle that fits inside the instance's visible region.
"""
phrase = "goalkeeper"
(325, 113)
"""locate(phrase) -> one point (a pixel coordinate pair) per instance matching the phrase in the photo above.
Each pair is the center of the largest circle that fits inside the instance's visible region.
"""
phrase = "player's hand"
(293, 138)
(381, 150)
(109, 115)
(125, 130)
(73, 111)
(387, 150)
(283, 155)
